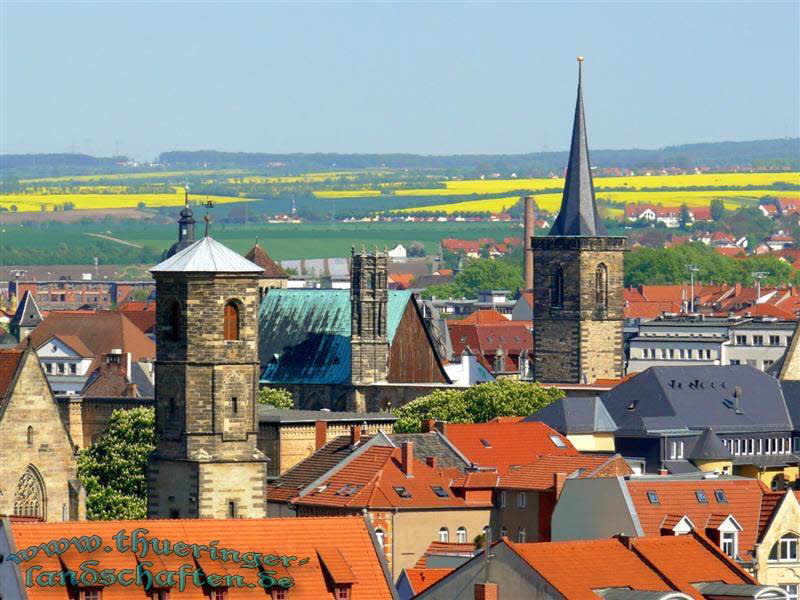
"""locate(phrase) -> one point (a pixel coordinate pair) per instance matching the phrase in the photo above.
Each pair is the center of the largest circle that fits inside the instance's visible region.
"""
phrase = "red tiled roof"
(403, 279)
(304, 538)
(465, 549)
(508, 443)
(372, 479)
(454, 245)
(138, 307)
(539, 474)
(100, 332)
(421, 579)
(484, 335)
(446, 272)
(730, 251)
(272, 270)
(656, 564)
(143, 319)
(769, 502)
(678, 497)
(9, 363)
(485, 316)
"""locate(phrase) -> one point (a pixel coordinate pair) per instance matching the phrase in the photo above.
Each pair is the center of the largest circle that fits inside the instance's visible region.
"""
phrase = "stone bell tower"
(369, 300)
(578, 280)
(206, 463)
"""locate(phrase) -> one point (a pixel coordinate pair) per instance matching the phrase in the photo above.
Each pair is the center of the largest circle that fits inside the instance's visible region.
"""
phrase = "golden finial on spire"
(580, 69)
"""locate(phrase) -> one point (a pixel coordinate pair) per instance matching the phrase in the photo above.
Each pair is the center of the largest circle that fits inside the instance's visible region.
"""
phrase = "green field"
(281, 241)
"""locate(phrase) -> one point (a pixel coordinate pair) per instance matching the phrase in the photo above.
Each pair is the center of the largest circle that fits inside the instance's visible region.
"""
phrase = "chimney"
(407, 458)
(486, 591)
(428, 425)
(355, 434)
(441, 427)
(559, 479)
(430, 461)
(663, 470)
(529, 227)
(737, 395)
(320, 434)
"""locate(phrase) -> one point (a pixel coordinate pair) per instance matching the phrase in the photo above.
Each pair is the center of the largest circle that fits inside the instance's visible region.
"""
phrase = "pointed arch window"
(174, 331)
(231, 321)
(601, 286)
(557, 288)
(29, 497)
(30, 435)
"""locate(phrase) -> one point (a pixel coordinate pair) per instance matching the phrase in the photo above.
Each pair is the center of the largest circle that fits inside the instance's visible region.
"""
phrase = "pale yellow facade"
(718, 466)
(592, 442)
(785, 521)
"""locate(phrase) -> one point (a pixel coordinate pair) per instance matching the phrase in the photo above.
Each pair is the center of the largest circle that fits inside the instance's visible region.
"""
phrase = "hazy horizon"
(419, 78)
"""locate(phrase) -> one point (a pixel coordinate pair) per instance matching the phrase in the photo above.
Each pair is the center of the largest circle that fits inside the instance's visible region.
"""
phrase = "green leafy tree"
(477, 404)
(114, 469)
(717, 209)
(477, 275)
(277, 397)
(685, 218)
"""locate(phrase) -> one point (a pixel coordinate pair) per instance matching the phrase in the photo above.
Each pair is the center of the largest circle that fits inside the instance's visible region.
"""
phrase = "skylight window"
(720, 496)
(558, 441)
(440, 491)
(653, 497)
(402, 492)
(485, 443)
(701, 496)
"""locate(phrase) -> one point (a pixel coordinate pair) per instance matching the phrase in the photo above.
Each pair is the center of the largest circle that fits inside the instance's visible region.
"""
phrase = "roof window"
(701, 496)
(440, 491)
(558, 441)
(653, 497)
(485, 443)
(402, 492)
(720, 496)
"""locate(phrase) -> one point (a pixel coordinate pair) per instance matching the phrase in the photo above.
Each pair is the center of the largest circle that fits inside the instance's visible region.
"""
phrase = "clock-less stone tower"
(578, 280)
(206, 463)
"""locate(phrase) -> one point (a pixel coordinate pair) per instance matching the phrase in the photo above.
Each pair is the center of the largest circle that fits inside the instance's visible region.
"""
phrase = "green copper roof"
(304, 335)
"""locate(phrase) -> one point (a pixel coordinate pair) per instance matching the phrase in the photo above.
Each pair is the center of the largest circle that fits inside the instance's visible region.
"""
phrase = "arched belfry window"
(601, 286)
(557, 288)
(231, 321)
(174, 321)
(29, 497)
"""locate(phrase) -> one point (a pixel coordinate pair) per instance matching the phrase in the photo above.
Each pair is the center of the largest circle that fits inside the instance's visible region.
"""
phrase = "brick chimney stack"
(428, 425)
(407, 458)
(431, 461)
(320, 434)
(355, 434)
(486, 591)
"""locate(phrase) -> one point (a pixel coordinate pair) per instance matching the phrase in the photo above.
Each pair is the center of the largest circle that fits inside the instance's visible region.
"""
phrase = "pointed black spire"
(578, 214)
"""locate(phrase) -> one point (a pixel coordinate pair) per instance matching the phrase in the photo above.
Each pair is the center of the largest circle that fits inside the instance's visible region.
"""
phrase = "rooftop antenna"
(692, 270)
(487, 541)
(186, 194)
(207, 218)
(758, 276)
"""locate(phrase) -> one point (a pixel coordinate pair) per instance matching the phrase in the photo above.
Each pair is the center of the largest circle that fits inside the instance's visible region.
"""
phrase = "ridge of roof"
(259, 256)
(27, 313)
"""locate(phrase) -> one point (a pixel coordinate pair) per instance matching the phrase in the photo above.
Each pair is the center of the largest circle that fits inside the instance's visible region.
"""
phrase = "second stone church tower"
(206, 463)
(578, 280)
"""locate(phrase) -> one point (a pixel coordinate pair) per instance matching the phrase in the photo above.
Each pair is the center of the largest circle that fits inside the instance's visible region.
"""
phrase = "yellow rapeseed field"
(552, 201)
(34, 202)
(142, 175)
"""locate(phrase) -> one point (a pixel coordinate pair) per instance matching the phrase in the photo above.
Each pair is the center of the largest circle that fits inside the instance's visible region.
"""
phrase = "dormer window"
(343, 592)
(90, 594)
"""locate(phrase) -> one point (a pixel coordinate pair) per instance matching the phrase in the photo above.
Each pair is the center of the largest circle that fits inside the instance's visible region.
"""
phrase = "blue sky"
(423, 77)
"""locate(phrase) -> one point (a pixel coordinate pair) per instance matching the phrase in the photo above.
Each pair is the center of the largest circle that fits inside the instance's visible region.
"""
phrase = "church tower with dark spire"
(185, 229)
(578, 279)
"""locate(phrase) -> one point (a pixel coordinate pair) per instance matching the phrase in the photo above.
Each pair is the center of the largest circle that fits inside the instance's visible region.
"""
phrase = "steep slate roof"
(508, 443)
(459, 552)
(576, 415)
(206, 255)
(432, 444)
(663, 399)
(28, 313)
(343, 544)
(709, 447)
(787, 366)
(272, 270)
(791, 392)
(578, 213)
(97, 332)
(309, 331)
(678, 497)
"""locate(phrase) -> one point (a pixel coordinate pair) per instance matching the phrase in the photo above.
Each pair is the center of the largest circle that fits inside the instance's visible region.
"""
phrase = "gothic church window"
(29, 498)
(231, 321)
